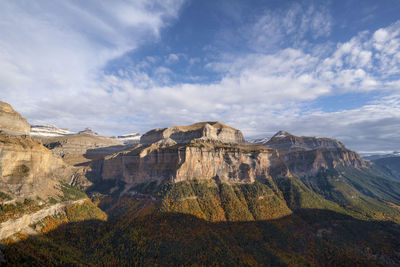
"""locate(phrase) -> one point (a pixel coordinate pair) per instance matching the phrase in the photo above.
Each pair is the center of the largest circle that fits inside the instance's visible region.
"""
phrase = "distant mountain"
(285, 141)
(391, 163)
(380, 156)
(199, 195)
(133, 138)
(48, 131)
(260, 141)
(338, 174)
(88, 131)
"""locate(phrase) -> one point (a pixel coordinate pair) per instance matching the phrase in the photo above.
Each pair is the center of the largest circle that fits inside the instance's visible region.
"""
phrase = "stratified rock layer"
(287, 142)
(27, 169)
(196, 160)
(11, 122)
(214, 131)
(306, 156)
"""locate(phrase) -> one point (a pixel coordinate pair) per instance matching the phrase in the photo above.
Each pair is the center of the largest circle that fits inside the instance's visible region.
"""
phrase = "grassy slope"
(363, 193)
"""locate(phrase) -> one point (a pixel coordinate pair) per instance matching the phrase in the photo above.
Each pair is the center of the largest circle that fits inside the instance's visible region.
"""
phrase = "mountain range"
(192, 195)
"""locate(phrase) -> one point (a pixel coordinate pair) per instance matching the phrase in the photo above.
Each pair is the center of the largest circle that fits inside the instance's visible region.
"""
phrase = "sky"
(316, 68)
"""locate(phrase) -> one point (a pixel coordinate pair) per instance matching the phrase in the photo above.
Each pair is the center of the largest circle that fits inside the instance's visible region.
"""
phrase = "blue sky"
(325, 68)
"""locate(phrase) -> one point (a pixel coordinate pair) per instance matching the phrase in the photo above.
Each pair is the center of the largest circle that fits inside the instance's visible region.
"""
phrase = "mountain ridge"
(206, 180)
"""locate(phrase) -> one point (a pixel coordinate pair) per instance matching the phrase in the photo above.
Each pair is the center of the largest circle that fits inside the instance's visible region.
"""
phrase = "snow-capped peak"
(281, 134)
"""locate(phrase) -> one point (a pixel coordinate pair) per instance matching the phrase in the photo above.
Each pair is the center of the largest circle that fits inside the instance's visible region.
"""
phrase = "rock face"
(79, 148)
(11, 122)
(214, 131)
(27, 168)
(24, 224)
(196, 160)
(287, 142)
(309, 163)
(205, 150)
(82, 151)
(201, 151)
(48, 131)
(306, 156)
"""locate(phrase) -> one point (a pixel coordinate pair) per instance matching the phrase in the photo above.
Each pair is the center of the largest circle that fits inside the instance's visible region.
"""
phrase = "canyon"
(54, 181)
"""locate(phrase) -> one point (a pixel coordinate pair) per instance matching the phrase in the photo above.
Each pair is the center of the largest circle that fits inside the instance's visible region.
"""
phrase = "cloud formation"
(52, 71)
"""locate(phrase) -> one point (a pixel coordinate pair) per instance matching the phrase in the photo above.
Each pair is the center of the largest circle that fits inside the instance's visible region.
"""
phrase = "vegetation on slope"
(307, 237)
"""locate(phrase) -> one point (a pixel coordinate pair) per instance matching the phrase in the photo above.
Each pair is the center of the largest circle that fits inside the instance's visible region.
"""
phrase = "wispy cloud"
(288, 27)
(52, 70)
(53, 50)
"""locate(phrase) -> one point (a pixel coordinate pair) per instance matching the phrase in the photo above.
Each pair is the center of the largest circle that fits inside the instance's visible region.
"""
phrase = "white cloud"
(288, 27)
(51, 70)
(172, 58)
(56, 50)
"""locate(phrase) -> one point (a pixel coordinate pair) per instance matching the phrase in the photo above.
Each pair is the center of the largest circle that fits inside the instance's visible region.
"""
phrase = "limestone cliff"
(11, 122)
(27, 169)
(287, 142)
(214, 131)
(83, 151)
(196, 160)
(306, 156)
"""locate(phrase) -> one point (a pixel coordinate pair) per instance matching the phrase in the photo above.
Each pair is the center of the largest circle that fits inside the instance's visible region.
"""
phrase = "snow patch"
(48, 131)
(132, 138)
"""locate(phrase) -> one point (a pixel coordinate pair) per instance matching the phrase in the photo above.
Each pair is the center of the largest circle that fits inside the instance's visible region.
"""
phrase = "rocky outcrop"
(23, 224)
(196, 160)
(11, 122)
(287, 142)
(213, 131)
(83, 151)
(306, 156)
(309, 163)
(28, 169)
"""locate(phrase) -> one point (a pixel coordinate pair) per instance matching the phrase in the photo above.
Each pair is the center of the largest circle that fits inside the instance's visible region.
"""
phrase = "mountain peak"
(88, 131)
(281, 134)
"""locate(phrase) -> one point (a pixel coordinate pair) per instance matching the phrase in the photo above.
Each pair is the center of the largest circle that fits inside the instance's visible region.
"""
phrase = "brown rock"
(196, 160)
(11, 122)
(215, 131)
(28, 169)
(306, 156)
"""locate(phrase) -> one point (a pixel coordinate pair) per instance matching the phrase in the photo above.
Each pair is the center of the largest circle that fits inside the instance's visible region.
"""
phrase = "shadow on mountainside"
(101, 152)
(307, 237)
